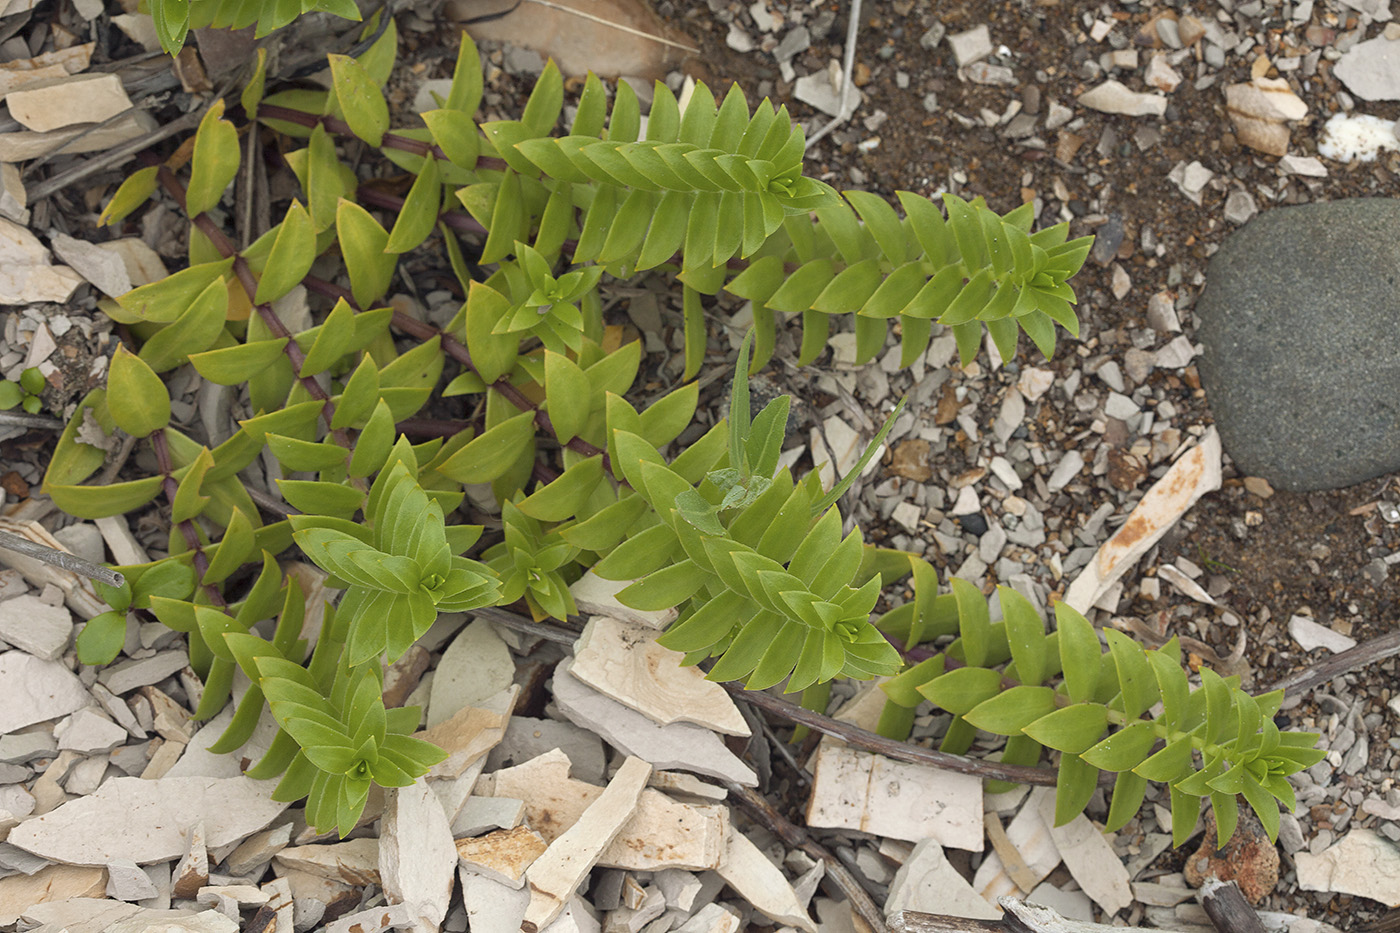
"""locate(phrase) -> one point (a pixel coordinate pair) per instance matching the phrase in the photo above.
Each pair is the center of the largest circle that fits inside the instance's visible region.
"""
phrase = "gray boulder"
(1300, 321)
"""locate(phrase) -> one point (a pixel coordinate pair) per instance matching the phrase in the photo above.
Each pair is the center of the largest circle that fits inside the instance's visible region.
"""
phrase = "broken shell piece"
(747, 870)
(1115, 97)
(556, 874)
(1090, 859)
(858, 790)
(680, 745)
(1196, 473)
(1259, 110)
(624, 662)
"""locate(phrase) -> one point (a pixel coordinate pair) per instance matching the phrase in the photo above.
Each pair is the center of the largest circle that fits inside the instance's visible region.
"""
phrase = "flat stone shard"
(148, 820)
(928, 882)
(89, 732)
(1363, 863)
(556, 874)
(417, 857)
(1030, 837)
(125, 676)
(1260, 111)
(1115, 97)
(853, 789)
(192, 871)
(681, 745)
(1371, 69)
(624, 662)
(1090, 858)
(55, 103)
(662, 833)
(747, 870)
(355, 861)
(1310, 282)
(1310, 635)
(37, 690)
(36, 627)
(528, 738)
(18, 893)
(503, 855)
(474, 668)
(1196, 473)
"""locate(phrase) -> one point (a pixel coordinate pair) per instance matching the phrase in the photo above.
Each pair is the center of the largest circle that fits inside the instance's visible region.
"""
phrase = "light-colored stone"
(18, 893)
(504, 854)
(373, 920)
(1160, 74)
(55, 103)
(1115, 97)
(127, 882)
(176, 921)
(484, 814)
(1030, 838)
(663, 833)
(852, 789)
(253, 853)
(623, 661)
(1184, 584)
(89, 732)
(971, 46)
(1194, 474)
(470, 733)
(23, 145)
(103, 268)
(747, 870)
(712, 918)
(79, 914)
(313, 896)
(192, 871)
(685, 785)
(1363, 863)
(13, 197)
(1371, 69)
(1310, 635)
(125, 676)
(355, 861)
(556, 874)
(679, 745)
(1260, 110)
(37, 690)
(819, 90)
(417, 856)
(146, 820)
(1090, 859)
(476, 666)
(595, 596)
(928, 883)
(26, 272)
(35, 627)
(11, 80)
(143, 266)
(1072, 905)
(78, 593)
(492, 906)
(527, 738)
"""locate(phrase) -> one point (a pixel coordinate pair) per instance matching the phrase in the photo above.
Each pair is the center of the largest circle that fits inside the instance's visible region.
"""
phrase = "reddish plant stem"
(457, 220)
(187, 529)
(205, 224)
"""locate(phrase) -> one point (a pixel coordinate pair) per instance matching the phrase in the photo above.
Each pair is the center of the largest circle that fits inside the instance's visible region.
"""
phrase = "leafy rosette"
(399, 567)
(347, 742)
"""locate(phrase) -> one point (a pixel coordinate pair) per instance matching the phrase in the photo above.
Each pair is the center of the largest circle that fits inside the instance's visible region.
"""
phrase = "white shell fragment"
(1196, 473)
(624, 662)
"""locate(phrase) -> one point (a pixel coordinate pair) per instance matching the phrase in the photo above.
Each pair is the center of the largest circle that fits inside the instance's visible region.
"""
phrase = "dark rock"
(1298, 368)
(974, 524)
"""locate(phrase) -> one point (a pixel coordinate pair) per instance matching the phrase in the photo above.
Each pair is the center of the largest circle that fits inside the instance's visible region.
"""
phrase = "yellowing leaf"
(360, 99)
(215, 161)
(293, 251)
(139, 402)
